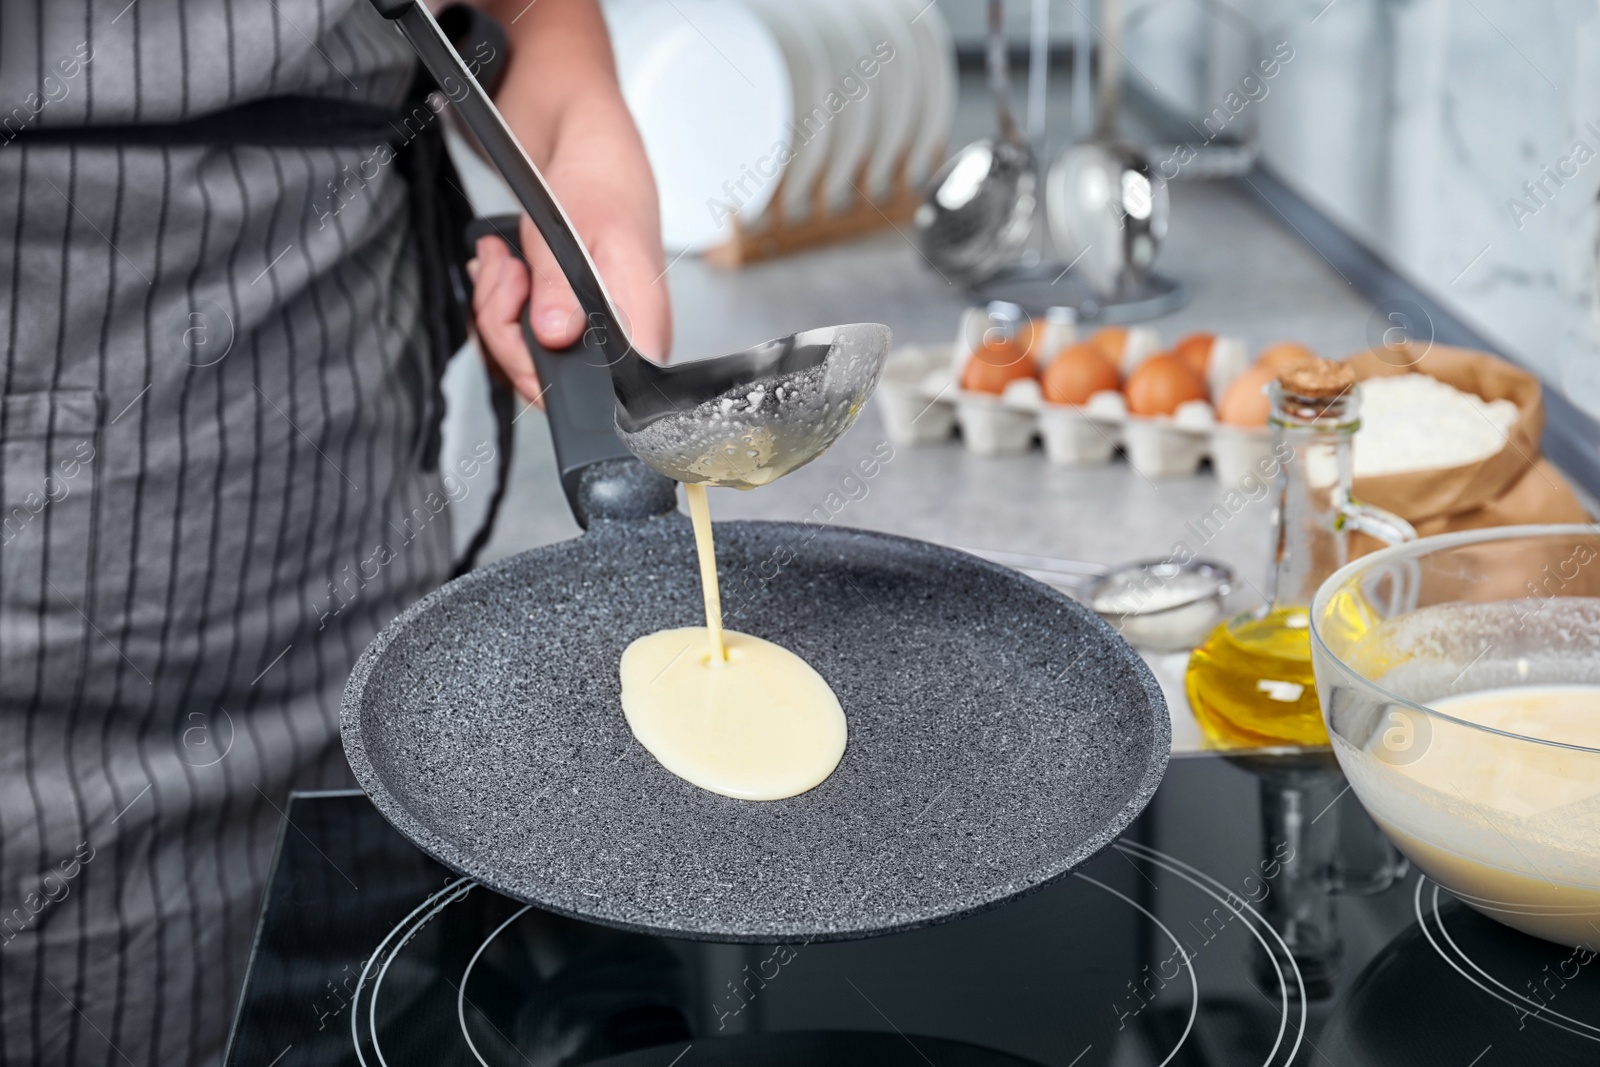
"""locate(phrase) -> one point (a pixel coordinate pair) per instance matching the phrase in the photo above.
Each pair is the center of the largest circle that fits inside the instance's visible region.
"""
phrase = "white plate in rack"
(810, 71)
(936, 62)
(855, 124)
(709, 89)
(898, 83)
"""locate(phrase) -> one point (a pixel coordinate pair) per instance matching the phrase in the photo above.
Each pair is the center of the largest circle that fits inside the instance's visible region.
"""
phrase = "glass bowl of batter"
(1459, 677)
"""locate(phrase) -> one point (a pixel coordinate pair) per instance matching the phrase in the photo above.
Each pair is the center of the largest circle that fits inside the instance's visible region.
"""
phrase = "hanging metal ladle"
(979, 207)
(1107, 204)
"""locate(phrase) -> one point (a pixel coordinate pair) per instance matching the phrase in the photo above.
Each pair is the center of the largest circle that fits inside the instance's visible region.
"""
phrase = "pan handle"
(600, 477)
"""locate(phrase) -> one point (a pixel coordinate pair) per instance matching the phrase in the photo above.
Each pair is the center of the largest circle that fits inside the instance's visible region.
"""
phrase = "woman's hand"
(561, 99)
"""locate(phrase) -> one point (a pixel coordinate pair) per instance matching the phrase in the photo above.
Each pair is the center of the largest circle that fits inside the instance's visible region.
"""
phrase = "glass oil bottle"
(1250, 682)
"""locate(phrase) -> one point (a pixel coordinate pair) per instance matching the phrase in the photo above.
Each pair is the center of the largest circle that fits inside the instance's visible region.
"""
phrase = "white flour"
(1414, 422)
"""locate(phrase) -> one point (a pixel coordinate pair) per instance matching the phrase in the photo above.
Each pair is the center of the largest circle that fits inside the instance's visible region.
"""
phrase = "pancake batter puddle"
(726, 711)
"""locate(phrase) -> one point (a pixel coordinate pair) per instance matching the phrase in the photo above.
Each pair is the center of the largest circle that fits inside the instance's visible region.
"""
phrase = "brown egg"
(1283, 355)
(1159, 384)
(995, 365)
(1245, 402)
(1195, 350)
(1030, 338)
(1112, 341)
(1077, 373)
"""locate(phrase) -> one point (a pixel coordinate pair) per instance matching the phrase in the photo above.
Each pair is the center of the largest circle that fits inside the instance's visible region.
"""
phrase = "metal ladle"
(737, 420)
(979, 206)
(1107, 205)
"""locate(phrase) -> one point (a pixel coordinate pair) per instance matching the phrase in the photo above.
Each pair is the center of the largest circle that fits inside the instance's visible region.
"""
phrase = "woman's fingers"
(637, 286)
(498, 294)
(557, 322)
(628, 261)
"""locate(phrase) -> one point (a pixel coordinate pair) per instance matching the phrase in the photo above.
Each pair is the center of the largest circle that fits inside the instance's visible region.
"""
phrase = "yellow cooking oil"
(1250, 682)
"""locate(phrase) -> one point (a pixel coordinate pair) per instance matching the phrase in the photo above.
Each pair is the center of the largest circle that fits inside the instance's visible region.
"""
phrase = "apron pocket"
(47, 460)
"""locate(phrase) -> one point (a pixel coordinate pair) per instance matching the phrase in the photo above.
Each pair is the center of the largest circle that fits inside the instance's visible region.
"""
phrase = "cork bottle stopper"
(1321, 379)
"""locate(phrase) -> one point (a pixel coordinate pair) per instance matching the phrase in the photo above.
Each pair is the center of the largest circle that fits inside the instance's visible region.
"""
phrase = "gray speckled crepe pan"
(1000, 734)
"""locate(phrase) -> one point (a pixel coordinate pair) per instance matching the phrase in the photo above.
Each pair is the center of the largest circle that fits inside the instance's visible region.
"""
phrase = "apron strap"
(483, 43)
(286, 121)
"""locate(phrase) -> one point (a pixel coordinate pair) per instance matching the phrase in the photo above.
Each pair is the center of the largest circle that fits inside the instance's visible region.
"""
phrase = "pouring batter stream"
(726, 711)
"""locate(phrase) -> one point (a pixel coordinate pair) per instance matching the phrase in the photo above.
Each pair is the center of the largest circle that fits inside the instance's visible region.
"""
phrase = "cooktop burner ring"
(451, 893)
(466, 978)
(1291, 987)
(1524, 1006)
(1188, 963)
(1276, 951)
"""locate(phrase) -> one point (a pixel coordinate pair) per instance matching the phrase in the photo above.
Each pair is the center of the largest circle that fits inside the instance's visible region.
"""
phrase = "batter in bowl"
(726, 711)
(1511, 828)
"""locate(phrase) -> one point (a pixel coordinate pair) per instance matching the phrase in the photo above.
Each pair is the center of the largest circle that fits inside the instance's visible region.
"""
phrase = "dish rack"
(775, 234)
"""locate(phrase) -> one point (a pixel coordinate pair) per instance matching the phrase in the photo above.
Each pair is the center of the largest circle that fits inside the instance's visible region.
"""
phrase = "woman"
(219, 395)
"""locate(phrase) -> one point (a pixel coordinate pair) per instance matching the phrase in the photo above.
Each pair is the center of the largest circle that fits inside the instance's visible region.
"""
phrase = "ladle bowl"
(742, 420)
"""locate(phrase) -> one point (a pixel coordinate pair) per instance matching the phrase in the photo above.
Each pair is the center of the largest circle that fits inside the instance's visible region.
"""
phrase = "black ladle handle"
(605, 331)
(577, 393)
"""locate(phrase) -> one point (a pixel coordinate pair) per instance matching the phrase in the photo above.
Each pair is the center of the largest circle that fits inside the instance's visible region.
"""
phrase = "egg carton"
(922, 403)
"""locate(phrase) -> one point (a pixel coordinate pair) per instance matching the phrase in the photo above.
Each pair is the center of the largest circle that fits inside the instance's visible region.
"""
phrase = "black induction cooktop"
(1251, 916)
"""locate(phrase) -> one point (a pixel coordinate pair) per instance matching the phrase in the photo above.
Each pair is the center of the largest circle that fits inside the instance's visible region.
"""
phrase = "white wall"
(1416, 123)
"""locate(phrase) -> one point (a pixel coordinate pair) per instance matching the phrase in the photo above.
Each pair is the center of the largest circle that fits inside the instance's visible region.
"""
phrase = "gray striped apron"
(216, 409)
